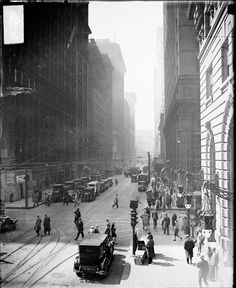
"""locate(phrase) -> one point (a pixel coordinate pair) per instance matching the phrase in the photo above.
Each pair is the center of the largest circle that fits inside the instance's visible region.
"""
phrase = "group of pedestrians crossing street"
(110, 229)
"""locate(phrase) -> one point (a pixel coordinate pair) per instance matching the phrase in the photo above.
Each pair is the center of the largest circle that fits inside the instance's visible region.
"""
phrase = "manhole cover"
(58, 275)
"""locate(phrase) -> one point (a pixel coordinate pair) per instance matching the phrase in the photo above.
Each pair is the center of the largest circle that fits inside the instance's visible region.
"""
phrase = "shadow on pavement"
(162, 263)
(115, 273)
(166, 258)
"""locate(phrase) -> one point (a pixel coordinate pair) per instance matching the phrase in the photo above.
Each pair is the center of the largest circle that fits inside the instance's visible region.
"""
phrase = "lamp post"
(188, 202)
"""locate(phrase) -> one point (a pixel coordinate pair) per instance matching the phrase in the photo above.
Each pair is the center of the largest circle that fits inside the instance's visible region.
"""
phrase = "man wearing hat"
(188, 247)
(203, 271)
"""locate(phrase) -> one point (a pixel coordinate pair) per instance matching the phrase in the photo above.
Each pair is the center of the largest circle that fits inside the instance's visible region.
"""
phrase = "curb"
(23, 207)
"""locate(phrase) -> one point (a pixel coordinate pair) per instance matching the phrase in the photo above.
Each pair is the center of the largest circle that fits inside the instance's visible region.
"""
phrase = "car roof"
(93, 183)
(93, 239)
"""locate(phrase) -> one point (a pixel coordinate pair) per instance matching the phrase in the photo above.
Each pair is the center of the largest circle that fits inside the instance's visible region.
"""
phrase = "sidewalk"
(169, 268)
(20, 204)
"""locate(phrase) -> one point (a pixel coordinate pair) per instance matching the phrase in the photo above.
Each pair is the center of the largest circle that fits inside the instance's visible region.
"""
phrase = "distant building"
(113, 51)
(99, 108)
(214, 27)
(182, 104)
(159, 87)
(144, 143)
(131, 99)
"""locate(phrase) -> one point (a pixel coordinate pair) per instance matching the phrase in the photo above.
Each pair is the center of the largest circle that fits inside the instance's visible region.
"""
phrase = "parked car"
(95, 255)
(95, 185)
(89, 194)
(7, 223)
(57, 192)
(134, 178)
(102, 186)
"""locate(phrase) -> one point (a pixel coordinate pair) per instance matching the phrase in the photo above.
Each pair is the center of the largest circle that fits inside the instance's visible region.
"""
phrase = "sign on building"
(13, 24)
(20, 178)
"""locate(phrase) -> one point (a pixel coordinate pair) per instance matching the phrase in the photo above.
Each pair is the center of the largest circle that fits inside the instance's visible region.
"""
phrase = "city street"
(34, 260)
(48, 260)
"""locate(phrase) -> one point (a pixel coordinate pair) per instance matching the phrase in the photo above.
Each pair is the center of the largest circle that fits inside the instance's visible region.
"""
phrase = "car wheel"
(79, 274)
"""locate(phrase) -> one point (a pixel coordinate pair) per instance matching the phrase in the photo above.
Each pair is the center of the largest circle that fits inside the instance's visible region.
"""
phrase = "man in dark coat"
(188, 247)
(173, 219)
(46, 225)
(154, 218)
(150, 249)
(80, 228)
(165, 224)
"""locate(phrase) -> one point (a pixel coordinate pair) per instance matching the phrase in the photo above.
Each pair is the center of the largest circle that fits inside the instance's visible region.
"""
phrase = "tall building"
(131, 99)
(181, 74)
(99, 108)
(113, 51)
(159, 87)
(44, 97)
(214, 27)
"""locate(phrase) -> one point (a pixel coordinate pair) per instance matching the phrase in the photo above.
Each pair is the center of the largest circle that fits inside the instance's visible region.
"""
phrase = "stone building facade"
(181, 92)
(114, 52)
(99, 108)
(214, 26)
(44, 96)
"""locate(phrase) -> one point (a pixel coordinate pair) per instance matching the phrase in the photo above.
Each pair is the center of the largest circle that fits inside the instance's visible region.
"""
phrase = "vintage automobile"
(134, 178)
(89, 194)
(96, 186)
(7, 223)
(142, 186)
(102, 186)
(57, 192)
(110, 182)
(95, 255)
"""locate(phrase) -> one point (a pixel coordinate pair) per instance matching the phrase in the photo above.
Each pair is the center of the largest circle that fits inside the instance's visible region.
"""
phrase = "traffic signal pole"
(134, 241)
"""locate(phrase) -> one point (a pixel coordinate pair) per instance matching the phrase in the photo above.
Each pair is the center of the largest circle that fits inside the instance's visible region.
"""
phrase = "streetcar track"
(61, 262)
(22, 246)
(41, 261)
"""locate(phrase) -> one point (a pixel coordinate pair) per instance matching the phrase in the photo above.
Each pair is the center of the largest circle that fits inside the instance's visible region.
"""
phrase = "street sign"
(20, 178)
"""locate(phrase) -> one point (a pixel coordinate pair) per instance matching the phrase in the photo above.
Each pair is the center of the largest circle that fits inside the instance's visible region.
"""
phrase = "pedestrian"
(77, 215)
(80, 228)
(37, 226)
(91, 229)
(150, 248)
(203, 271)
(11, 197)
(154, 218)
(158, 203)
(173, 220)
(36, 198)
(176, 231)
(200, 241)
(115, 201)
(145, 219)
(209, 253)
(96, 230)
(188, 247)
(113, 233)
(76, 199)
(108, 230)
(116, 181)
(46, 225)
(213, 265)
(165, 224)
(65, 199)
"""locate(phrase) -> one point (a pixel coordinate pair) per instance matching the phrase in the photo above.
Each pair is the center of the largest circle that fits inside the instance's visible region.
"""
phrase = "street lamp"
(188, 201)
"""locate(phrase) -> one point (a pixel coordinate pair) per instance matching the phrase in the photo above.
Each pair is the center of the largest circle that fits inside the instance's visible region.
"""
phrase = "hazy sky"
(133, 26)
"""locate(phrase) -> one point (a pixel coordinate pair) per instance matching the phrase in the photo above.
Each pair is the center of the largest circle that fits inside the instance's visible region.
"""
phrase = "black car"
(95, 255)
(7, 223)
